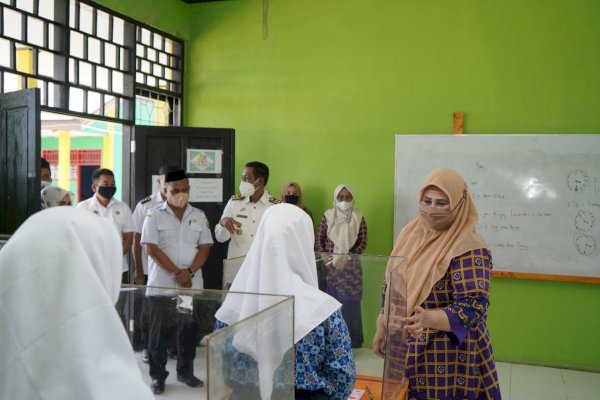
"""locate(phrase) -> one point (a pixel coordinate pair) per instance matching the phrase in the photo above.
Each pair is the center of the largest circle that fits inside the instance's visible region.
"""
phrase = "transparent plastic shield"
(231, 267)
(194, 310)
(254, 358)
(396, 337)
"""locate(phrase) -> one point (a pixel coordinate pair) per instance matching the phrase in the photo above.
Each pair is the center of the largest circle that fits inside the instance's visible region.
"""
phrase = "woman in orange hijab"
(448, 272)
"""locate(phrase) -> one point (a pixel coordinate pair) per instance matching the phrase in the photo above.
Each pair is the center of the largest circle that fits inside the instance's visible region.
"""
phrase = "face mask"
(107, 191)
(343, 205)
(246, 189)
(45, 184)
(179, 200)
(438, 219)
(291, 198)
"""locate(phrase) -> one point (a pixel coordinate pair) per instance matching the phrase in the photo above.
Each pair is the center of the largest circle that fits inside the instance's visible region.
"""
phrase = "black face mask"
(107, 191)
(291, 198)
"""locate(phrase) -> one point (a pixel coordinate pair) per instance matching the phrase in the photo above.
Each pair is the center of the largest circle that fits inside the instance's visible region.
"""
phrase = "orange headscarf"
(428, 252)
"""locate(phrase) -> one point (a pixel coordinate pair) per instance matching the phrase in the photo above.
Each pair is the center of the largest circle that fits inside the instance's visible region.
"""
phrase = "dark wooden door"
(156, 146)
(20, 149)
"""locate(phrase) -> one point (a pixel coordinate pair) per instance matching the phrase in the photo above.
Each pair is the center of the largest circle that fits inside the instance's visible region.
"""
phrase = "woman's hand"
(379, 338)
(416, 323)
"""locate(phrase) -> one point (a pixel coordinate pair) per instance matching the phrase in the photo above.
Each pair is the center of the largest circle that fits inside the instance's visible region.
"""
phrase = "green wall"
(320, 99)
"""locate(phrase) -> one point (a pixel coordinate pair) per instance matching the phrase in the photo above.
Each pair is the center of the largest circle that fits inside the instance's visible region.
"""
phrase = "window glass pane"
(151, 81)
(102, 78)
(53, 95)
(24, 59)
(158, 41)
(163, 84)
(86, 18)
(174, 62)
(76, 99)
(72, 74)
(118, 31)
(85, 73)
(157, 70)
(103, 21)
(76, 45)
(151, 55)
(163, 58)
(109, 106)
(12, 82)
(139, 50)
(110, 55)
(72, 10)
(46, 9)
(94, 52)
(35, 31)
(12, 24)
(145, 67)
(139, 77)
(117, 82)
(146, 37)
(5, 50)
(46, 63)
(93, 106)
(25, 5)
(5, 1)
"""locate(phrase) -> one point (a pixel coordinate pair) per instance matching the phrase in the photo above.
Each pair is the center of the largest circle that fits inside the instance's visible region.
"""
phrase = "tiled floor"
(517, 381)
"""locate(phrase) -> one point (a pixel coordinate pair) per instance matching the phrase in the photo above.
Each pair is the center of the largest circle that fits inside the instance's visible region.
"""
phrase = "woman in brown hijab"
(292, 194)
(448, 272)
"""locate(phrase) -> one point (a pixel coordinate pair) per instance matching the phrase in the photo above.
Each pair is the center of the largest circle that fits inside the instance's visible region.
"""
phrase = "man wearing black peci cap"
(178, 239)
(140, 257)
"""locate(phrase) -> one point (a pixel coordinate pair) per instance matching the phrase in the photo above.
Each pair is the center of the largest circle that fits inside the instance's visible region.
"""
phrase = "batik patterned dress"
(456, 365)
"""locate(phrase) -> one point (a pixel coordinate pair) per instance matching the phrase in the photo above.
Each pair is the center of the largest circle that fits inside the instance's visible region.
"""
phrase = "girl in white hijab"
(343, 230)
(53, 196)
(61, 336)
(281, 260)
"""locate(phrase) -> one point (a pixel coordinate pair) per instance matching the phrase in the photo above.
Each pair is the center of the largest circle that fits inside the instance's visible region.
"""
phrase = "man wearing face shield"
(243, 212)
(103, 204)
(177, 239)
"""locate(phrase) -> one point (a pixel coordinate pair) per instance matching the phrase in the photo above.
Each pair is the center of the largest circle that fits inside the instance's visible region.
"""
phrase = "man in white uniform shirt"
(140, 257)
(242, 214)
(177, 238)
(103, 204)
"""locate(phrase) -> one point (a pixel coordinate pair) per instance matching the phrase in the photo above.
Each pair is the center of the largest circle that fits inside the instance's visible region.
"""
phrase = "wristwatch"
(192, 273)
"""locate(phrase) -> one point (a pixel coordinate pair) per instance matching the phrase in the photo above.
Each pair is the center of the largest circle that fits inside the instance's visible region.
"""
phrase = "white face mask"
(343, 205)
(246, 189)
(45, 184)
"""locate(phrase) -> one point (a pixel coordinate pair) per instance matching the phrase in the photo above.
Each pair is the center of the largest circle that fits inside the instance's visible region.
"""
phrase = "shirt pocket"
(166, 234)
(194, 233)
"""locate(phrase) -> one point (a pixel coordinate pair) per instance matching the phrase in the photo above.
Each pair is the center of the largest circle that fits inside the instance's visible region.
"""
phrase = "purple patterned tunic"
(456, 365)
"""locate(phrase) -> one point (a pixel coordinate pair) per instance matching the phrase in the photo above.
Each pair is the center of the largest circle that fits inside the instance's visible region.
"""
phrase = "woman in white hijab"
(61, 336)
(53, 196)
(281, 260)
(343, 230)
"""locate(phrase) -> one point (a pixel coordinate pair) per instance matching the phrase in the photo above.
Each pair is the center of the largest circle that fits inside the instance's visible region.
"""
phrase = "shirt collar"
(98, 204)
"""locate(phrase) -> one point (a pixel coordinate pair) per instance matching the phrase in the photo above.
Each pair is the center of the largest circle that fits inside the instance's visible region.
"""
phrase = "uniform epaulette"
(274, 200)
(237, 197)
(146, 199)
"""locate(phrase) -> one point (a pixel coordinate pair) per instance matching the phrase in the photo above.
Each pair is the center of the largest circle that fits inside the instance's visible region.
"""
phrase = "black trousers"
(165, 321)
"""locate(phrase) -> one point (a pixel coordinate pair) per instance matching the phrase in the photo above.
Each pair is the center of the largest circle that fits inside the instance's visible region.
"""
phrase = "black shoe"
(190, 380)
(145, 356)
(157, 386)
(172, 354)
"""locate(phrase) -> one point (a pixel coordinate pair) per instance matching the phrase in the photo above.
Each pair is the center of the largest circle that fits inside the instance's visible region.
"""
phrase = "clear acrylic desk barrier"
(221, 354)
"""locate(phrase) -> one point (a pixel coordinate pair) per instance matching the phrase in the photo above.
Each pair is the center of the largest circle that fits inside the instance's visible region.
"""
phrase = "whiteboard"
(538, 196)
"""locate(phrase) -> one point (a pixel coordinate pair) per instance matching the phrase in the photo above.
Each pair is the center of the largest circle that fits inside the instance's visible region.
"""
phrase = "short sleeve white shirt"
(117, 212)
(179, 240)
(139, 214)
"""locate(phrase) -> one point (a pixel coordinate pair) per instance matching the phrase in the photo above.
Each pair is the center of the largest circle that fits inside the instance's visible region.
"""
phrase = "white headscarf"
(343, 226)
(61, 337)
(281, 260)
(52, 195)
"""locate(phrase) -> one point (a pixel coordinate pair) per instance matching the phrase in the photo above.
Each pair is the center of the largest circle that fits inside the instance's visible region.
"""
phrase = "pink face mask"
(438, 219)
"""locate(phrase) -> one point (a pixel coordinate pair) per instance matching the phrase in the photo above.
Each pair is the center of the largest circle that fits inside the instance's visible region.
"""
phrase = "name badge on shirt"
(241, 216)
